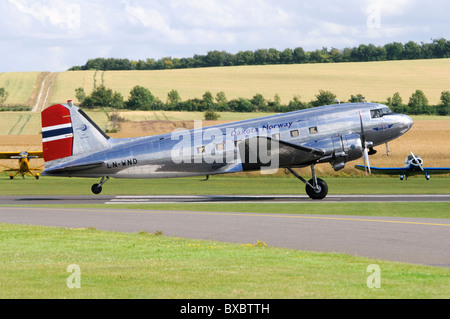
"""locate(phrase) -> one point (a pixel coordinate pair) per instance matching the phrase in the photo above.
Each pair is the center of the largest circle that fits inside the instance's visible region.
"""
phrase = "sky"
(54, 35)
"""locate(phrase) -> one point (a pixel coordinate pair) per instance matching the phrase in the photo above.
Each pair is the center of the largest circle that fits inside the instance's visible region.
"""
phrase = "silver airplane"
(413, 166)
(74, 146)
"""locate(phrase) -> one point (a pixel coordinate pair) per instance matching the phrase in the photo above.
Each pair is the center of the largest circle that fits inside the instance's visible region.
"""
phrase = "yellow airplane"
(24, 163)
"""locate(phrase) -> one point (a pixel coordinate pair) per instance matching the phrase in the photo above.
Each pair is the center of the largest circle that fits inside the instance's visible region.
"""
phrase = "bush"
(210, 115)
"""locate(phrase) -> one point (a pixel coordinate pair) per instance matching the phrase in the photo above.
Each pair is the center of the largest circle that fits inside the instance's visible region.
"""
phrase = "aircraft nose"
(406, 122)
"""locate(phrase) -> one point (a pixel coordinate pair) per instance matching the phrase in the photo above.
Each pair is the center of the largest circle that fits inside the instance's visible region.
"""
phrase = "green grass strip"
(34, 263)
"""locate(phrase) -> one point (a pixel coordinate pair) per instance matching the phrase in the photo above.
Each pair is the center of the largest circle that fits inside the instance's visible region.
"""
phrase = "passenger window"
(201, 149)
(276, 136)
(313, 130)
(294, 133)
(219, 147)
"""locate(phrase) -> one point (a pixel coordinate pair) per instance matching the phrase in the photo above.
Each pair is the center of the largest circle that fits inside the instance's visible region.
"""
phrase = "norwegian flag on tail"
(57, 132)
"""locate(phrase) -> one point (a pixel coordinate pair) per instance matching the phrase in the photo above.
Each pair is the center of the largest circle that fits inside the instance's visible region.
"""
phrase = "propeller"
(417, 161)
(364, 145)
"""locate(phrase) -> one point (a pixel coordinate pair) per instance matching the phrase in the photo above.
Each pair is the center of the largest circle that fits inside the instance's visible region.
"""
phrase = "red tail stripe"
(57, 149)
(55, 115)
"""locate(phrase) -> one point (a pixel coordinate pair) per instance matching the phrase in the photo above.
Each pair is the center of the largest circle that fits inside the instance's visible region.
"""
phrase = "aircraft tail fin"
(67, 131)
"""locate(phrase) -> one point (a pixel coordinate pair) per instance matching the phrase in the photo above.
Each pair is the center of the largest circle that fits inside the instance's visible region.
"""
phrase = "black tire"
(96, 189)
(321, 193)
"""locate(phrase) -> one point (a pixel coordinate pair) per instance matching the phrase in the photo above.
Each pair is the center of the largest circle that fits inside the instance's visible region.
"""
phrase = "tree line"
(438, 48)
(142, 99)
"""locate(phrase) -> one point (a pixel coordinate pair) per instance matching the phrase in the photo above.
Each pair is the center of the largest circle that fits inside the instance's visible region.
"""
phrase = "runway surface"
(164, 199)
(411, 240)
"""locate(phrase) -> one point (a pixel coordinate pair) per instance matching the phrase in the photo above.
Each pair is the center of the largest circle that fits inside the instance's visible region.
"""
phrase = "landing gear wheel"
(319, 193)
(96, 188)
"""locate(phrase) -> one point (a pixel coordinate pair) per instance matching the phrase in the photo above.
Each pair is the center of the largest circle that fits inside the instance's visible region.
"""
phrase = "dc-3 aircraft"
(74, 145)
(24, 163)
(413, 166)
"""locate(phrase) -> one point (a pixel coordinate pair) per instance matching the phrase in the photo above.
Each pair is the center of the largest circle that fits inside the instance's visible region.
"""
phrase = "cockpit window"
(380, 112)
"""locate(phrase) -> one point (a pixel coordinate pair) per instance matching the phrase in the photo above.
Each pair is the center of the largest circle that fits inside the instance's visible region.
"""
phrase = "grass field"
(34, 263)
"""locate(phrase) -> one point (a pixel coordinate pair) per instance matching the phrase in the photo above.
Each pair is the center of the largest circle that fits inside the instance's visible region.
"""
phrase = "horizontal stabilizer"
(66, 168)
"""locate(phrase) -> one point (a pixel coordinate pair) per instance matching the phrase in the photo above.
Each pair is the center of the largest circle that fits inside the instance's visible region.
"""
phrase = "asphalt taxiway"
(411, 240)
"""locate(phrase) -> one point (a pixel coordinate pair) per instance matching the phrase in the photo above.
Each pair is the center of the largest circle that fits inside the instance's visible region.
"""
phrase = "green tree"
(80, 94)
(396, 103)
(412, 51)
(241, 105)
(173, 99)
(117, 101)
(140, 99)
(222, 102)
(296, 104)
(418, 103)
(209, 100)
(356, 98)
(444, 107)
(394, 51)
(259, 102)
(103, 97)
(3, 96)
(324, 98)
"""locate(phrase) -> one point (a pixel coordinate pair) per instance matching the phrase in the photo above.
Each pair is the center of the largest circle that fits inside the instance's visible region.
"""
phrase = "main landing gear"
(316, 188)
(97, 188)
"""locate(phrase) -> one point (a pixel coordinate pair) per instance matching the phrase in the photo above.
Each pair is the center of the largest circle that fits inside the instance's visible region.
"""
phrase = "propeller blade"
(363, 135)
(366, 154)
(364, 145)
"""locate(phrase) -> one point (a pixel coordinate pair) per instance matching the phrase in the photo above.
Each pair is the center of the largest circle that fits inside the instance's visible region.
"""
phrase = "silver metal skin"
(328, 134)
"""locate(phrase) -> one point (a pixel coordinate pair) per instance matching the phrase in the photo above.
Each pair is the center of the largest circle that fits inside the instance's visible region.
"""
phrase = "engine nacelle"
(340, 149)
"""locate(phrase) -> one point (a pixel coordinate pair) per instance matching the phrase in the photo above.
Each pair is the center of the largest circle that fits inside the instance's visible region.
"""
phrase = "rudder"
(67, 131)
(57, 132)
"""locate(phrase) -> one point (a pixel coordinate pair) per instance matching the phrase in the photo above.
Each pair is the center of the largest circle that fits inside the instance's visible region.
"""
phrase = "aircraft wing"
(289, 154)
(38, 154)
(437, 170)
(7, 155)
(403, 170)
(383, 170)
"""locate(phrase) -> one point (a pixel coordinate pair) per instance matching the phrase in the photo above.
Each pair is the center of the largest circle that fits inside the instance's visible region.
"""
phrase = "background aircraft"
(74, 145)
(413, 166)
(24, 163)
